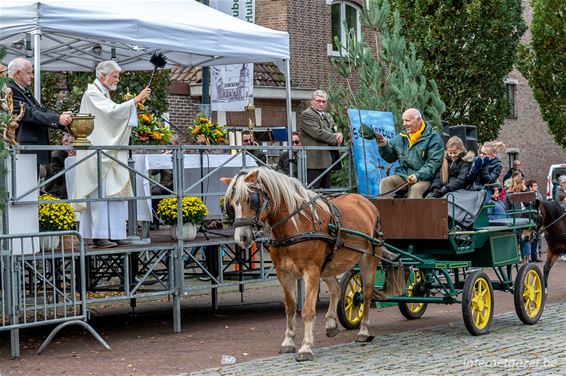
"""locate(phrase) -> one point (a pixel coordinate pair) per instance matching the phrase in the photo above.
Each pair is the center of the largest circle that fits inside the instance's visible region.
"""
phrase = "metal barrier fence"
(43, 283)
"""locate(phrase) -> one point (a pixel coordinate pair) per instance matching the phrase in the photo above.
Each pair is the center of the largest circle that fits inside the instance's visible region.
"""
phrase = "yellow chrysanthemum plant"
(194, 210)
(150, 130)
(55, 216)
(205, 132)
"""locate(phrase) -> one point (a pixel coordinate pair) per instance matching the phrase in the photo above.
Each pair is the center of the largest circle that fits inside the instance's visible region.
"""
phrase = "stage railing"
(131, 272)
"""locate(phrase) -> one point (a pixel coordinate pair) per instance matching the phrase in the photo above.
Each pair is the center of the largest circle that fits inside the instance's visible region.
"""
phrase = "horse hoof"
(364, 338)
(303, 357)
(287, 350)
(332, 332)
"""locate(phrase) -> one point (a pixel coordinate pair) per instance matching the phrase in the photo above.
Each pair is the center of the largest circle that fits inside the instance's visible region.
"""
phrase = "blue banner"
(369, 166)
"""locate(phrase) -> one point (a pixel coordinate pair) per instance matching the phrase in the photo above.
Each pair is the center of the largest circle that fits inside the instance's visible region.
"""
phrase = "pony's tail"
(394, 284)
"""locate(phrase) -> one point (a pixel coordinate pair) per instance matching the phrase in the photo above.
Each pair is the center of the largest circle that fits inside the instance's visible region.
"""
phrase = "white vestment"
(104, 220)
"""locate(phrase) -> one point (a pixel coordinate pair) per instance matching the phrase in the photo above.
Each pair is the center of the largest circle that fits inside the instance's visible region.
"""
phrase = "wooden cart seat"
(413, 218)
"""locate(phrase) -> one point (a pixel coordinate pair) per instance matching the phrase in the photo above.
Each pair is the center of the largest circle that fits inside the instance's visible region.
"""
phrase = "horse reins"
(393, 190)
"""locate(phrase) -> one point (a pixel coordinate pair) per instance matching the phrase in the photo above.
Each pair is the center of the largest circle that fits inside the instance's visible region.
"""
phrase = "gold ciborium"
(81, 127)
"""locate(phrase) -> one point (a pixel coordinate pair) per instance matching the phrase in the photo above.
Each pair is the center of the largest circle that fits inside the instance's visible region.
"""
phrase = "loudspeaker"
(468, 134)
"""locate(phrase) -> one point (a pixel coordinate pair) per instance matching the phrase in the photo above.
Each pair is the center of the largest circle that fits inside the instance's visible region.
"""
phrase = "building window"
(511, 90)
(345, 16)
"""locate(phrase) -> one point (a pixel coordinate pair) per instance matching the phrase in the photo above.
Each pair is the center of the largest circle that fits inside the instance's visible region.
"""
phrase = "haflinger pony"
(303, 244)
(551, 221)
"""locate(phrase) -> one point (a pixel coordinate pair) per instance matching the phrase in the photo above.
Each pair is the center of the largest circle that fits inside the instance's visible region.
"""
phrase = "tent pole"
(289, 112)
(37, 64)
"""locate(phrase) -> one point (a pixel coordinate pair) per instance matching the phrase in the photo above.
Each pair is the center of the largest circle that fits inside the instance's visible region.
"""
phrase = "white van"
(555, 171)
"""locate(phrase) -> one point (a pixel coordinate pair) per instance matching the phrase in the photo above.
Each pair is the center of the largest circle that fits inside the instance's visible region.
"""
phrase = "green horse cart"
(447, 264)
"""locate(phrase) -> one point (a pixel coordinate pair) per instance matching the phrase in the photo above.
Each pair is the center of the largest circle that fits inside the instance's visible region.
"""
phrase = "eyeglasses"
(296, 142)
(320, 100)
(246, 141)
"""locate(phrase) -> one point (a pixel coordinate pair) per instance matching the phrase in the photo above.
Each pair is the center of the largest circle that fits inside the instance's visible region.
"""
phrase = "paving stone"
(511, 348)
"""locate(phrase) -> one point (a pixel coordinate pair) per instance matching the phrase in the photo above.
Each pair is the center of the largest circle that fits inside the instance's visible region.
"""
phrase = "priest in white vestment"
(105, 221)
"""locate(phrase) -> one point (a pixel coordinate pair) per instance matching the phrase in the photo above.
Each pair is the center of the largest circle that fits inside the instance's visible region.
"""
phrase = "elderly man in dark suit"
(317, 129)
(37, 118)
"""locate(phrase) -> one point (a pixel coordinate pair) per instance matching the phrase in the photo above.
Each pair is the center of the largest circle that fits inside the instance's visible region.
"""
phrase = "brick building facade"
(310, 32)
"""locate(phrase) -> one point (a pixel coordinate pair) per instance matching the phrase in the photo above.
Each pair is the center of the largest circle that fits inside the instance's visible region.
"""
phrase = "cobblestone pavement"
(511, 348)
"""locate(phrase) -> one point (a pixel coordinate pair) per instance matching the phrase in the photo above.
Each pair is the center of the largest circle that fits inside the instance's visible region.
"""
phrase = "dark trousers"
(323, 182)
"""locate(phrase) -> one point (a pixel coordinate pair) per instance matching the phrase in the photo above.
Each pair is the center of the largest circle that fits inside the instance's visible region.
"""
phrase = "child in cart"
(455, 167)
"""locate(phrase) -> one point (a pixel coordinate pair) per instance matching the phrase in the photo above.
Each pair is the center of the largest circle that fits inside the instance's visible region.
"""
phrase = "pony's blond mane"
(281, 189)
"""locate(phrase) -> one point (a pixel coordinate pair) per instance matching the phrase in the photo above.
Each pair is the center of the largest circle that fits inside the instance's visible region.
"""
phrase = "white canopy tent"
(74, 35)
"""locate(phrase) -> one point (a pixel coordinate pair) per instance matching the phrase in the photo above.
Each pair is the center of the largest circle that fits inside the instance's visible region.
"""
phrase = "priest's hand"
(145, 93)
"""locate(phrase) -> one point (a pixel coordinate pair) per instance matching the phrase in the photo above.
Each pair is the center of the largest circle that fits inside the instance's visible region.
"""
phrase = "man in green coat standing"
(419, 150)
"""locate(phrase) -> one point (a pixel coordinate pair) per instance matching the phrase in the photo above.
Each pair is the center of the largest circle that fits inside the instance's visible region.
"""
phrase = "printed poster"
(370, 168)
(231, 86)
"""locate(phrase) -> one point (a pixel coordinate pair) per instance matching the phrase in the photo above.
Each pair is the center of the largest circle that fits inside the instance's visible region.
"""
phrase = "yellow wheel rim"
(532, 293)
(354, 310)
(481, 303)
(413, 279)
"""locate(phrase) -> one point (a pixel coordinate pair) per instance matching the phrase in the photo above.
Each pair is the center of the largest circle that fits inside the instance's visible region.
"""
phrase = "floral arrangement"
(149, 131)
(205, 132)
(55, 216)
(194, 210)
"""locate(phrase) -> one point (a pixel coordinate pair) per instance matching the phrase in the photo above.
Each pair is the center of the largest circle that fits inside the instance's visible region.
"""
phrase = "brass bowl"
(81, 127)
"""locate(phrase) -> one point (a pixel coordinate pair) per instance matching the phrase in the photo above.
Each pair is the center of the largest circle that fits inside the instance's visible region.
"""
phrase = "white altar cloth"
(192, 173)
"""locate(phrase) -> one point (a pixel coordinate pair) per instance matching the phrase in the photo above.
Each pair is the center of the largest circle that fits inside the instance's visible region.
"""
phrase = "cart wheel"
(529, 294)
(350, 307)
(414, 311)
(477, 303)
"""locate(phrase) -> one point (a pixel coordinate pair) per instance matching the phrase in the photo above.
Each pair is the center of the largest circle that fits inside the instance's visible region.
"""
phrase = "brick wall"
(183, 109)
(272, 14)
(273, 113)
(309, 26)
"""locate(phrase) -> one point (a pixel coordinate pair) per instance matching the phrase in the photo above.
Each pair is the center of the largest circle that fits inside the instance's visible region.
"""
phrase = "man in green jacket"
(419, 150)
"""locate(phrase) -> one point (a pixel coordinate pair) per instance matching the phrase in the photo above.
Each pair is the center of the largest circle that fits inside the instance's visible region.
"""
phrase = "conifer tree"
(382, 72)
(543, 63)
(5, 119)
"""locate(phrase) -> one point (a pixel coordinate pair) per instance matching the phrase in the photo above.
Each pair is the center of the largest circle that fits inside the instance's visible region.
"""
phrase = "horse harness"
(259, 200)
(544, 230)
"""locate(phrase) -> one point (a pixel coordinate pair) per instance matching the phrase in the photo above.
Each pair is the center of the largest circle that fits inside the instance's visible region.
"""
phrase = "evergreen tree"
(543, 63)
(5, 119)
(385, 75)
(468, 46)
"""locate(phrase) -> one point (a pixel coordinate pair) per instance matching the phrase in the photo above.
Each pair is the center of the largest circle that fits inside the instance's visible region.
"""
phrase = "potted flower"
(205, 132)
(150, 130)
(194, 212)
(54, 217)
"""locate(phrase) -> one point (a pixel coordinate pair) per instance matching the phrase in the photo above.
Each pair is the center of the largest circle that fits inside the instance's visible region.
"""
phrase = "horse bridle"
(258, 201)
